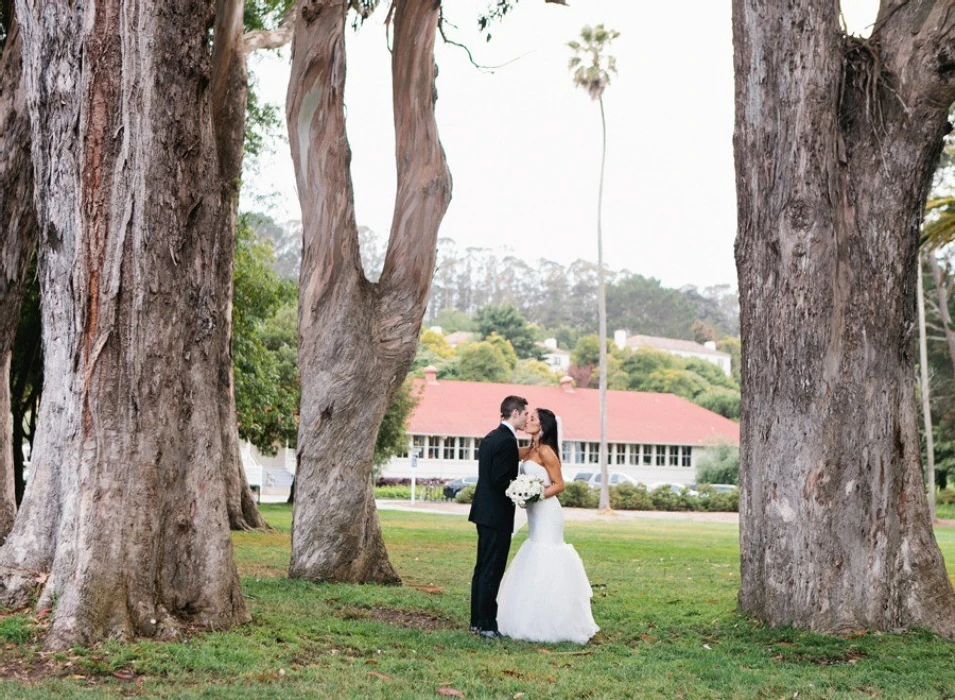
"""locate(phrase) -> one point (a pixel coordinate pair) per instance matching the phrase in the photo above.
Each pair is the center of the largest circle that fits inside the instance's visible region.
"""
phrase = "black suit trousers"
(492, 549)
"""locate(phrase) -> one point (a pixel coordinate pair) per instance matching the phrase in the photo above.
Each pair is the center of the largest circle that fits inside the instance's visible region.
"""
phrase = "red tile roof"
(471, 409)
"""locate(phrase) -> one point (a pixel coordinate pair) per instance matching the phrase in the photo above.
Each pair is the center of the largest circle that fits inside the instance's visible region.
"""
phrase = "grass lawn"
(664, 596)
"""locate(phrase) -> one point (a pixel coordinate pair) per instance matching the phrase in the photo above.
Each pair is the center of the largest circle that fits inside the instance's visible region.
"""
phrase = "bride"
(545, 595)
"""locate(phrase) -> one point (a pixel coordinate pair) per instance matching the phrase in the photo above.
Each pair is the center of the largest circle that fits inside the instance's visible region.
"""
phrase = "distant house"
(459, 338)
(681, 348)
(555, 358)
(652, 437)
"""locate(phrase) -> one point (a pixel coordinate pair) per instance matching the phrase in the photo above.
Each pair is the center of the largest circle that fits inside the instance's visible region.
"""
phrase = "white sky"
(523, 143)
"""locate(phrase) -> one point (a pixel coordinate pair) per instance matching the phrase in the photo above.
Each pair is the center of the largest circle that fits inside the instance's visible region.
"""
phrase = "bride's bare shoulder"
(549, 456)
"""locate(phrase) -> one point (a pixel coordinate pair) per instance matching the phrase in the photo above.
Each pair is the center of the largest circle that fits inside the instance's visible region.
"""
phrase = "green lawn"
(664, 596)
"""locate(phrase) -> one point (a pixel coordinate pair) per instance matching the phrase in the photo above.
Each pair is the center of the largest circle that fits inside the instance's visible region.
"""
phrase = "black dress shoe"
(474, 628)
(491, 634)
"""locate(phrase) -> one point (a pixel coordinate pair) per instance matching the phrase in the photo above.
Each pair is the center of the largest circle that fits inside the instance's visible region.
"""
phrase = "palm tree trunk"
(602, 319)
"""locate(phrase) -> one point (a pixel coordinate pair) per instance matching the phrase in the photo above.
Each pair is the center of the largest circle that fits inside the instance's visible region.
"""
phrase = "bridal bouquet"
(525, 489)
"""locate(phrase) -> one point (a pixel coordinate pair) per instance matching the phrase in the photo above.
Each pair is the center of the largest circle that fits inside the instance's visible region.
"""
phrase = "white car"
(614, 479)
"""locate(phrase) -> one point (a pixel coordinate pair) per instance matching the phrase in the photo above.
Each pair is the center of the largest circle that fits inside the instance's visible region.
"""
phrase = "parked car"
(706, 489)
(717, 488)
(578, 476)
(614, 479)
(452, 487)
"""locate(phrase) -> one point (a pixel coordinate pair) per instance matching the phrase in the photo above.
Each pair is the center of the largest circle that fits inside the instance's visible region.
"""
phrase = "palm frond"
(938, 229)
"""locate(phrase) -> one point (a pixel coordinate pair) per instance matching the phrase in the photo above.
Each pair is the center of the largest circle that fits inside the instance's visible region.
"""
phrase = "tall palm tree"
(592, 68)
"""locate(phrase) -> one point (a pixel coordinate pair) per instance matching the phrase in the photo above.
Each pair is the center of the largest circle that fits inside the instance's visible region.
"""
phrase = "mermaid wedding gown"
(545, 595)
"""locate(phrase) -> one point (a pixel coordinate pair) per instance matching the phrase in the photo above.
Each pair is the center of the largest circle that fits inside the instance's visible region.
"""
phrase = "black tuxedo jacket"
(497, 467)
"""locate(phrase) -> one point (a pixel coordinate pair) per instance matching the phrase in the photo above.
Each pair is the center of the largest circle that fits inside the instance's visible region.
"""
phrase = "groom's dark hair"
(511, 404)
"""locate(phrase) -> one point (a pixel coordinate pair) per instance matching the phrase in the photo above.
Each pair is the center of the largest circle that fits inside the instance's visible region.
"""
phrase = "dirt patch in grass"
(410, 619)
(821, 657)
(40, 666)
(261, 571)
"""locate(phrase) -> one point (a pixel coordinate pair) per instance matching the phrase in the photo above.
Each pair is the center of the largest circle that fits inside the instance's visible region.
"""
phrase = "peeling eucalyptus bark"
(125, 524)
(230, 89)
(19, 230)
(836, 141)
(357, 339)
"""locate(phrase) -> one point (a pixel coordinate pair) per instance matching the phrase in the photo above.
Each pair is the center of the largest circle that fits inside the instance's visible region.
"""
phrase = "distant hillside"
(547, 293)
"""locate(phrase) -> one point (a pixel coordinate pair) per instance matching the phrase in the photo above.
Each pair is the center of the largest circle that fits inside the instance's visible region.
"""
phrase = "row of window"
(466, 449)
(629, 453)
(442, 447)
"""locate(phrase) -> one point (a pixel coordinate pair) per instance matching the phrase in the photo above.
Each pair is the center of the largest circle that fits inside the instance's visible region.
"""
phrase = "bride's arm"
(552, 465)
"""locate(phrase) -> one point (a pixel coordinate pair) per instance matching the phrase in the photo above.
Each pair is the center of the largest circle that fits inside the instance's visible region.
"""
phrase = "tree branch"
(918, 43)
(315, 112)
(424, 182)
(271, 38)
(229, 89)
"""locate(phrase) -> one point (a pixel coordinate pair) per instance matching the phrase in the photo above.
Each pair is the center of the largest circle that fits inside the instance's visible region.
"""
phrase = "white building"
(681, 348)
(556, 358)
(651, 437)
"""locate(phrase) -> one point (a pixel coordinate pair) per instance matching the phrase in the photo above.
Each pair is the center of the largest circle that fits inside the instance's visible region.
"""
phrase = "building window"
(434, 447)
(582, 452)
(567, 452)
(634, 455)
(593, 452)
(687, 457)
(621, 453)
(464, 448)
(661, 455)
(449, 447)
(647, 456)
(418, 443)
(674, 455)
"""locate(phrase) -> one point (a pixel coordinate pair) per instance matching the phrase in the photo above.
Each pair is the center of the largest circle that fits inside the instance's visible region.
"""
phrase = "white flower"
(525, 489)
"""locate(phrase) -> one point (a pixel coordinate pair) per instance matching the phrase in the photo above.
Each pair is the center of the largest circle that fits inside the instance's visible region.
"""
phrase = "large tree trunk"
(124, 525)
(19, 235)
(356, 339)
(836, 140)
(230, 89)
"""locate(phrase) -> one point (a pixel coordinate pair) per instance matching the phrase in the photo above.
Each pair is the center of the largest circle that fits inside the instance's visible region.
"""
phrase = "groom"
(493, 513)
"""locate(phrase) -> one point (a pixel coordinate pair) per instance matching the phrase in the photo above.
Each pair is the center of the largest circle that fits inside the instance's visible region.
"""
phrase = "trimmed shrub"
(714, 501)
(629, 497)
(393, 492)
(577, 494)
(726, 502)
(719, 465)
(465, 495)
(664, 498)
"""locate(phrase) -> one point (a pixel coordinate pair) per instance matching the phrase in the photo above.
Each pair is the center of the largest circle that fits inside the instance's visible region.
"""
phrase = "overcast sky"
(523, 143)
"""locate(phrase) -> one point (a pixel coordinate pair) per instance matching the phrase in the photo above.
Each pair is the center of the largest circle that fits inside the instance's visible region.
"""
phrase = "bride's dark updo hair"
(548, 434)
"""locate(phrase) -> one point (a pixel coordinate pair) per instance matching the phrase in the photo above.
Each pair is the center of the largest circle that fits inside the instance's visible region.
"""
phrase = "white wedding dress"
(545, 595)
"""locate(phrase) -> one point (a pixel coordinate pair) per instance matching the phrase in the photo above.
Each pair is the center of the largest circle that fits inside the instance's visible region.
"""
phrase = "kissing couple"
(544, 596)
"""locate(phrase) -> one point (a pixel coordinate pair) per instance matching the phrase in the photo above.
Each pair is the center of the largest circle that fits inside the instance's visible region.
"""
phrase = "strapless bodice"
(532, 468)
